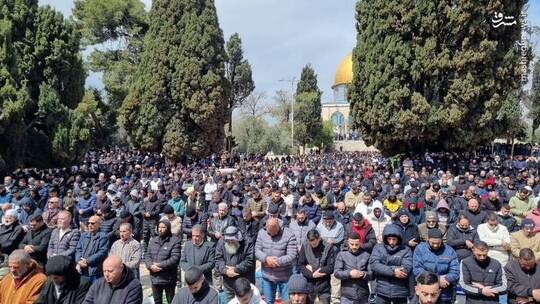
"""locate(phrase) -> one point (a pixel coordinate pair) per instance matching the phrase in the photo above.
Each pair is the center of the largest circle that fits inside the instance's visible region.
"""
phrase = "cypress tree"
(433, 74)
(307, 109)
(178, 101)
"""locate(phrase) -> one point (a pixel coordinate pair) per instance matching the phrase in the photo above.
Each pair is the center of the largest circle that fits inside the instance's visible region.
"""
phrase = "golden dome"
(344, 74)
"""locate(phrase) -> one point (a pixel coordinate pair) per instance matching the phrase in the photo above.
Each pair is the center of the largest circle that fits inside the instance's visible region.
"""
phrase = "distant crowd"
(339, 227)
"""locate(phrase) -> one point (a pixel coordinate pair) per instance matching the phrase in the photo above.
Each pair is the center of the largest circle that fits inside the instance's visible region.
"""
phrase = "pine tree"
(433, 74)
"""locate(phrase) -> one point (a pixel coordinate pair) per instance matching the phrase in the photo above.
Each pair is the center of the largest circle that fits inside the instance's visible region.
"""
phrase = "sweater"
(494, 239)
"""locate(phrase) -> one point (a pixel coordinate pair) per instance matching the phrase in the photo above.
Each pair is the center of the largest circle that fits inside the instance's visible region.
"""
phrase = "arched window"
(337, 119)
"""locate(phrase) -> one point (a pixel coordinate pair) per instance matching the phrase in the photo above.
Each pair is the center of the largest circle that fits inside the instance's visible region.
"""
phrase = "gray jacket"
(201, 256)
(300, 231)
(64, 246)
(207, 295)
(283, 246)
(218, 225)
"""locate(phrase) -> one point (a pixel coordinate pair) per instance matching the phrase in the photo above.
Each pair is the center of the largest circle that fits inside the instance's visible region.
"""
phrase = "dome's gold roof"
(344, 72)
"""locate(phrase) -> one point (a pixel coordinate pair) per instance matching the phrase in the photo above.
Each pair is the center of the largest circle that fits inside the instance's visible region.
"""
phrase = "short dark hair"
(480, 245)
(505, 206)
(427, 278)
(193, 275)
(313, 234)
(526, 254)
(354, 236)
(241, 287)
(492, 216)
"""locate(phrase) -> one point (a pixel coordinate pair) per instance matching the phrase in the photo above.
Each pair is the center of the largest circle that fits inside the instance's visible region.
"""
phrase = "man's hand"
(80, 212)
(147, 214)
(413, 243)
(399, 273)
(83, 263)
(272, 262)
(477, 285)
(522, 300)
(217, 235)
(230, 272)
(506, 245)
(308, 267)
(469, 244)
(28, 249)
(155, 268)
(536, 295)
(443, 282)
(355, 274)
(317, 274)
(488, 292)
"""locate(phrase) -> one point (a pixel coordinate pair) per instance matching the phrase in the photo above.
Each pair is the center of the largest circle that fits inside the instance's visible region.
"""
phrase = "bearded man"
(234, 259)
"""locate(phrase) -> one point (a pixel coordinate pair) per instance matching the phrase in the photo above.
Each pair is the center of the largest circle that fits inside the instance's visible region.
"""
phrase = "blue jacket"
(96, 255)
(385, 259)
(441, 262)
(178, 206)
(313, 212)
(5, 197)
(87, 207)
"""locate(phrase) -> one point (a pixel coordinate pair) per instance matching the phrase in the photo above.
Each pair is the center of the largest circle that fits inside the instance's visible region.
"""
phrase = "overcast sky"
(281, 36)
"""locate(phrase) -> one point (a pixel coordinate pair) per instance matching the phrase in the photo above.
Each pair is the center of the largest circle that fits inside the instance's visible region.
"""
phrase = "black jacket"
(353, 289)
(323, 257)
(243, 262)
(409, 232)
(521, 282)
(201, 256)
(39, 240)
(456, 238)
(73, 292)
(10, 237)
(188, 223)
(249, 230)
(166, 252)
(129, 291)
(488, 273)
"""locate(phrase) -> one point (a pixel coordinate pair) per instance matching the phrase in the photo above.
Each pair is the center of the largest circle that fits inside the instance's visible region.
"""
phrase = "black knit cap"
(435, 233)
(58, 265)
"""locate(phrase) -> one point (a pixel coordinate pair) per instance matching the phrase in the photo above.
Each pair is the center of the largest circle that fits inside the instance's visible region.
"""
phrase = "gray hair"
(432, 214)
(198, 227)
(20, 256)
(127, 226)
(223, 205)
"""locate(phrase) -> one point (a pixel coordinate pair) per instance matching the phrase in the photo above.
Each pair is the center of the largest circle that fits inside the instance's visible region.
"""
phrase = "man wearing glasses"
(91, 250)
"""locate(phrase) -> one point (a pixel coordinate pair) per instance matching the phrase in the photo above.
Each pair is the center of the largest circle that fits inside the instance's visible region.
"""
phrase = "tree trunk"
(512, 150)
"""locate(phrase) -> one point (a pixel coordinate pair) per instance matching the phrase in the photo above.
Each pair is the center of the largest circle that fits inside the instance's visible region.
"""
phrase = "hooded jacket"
(164, 250)
(74, 290)
(409, 232)
(518, 206)
(385, 259)
(378, 223)
(450, 215)
(443, 261)
(457, 238)
(128, 291)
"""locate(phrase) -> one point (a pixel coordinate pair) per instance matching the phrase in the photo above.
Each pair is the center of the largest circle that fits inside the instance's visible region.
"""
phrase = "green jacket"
(519, 207)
